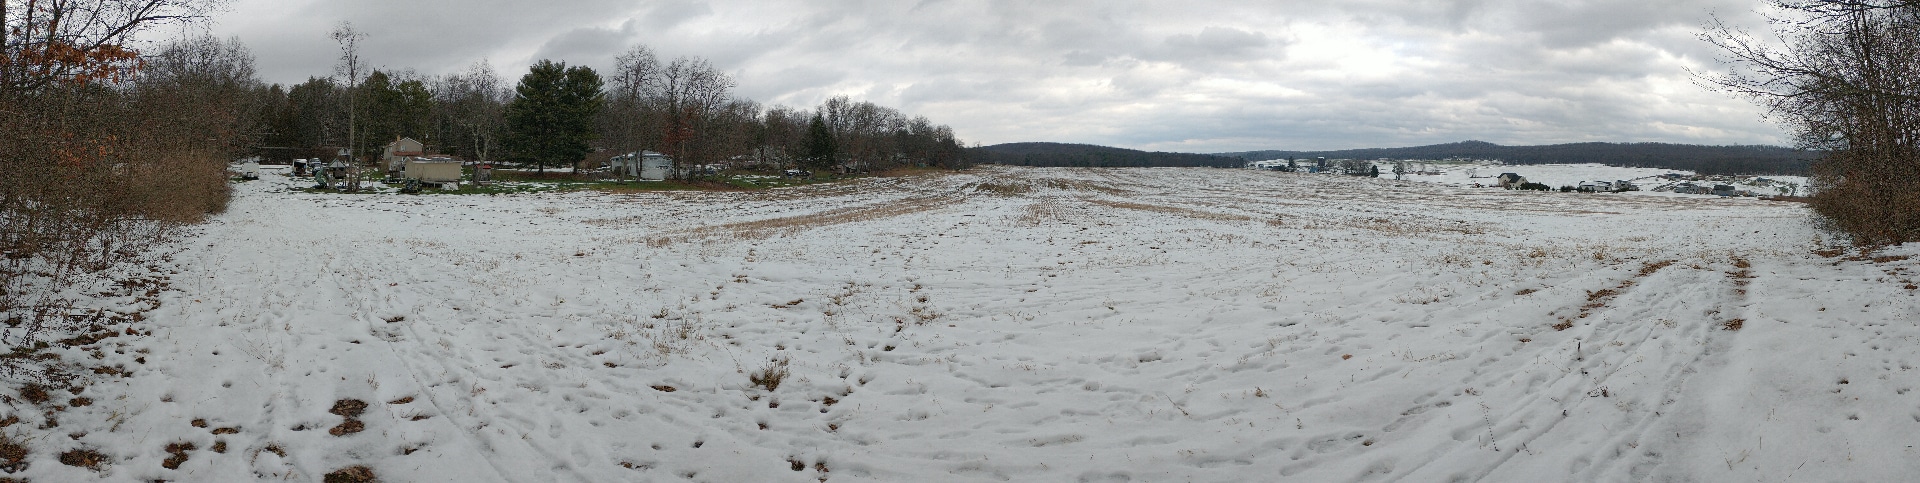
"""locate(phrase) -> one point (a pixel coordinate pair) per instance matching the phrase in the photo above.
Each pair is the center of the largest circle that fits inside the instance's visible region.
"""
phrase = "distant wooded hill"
(1087, 155)
(1702, 159)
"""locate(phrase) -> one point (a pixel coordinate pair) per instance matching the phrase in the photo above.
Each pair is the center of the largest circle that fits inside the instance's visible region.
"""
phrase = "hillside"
(1698, 158)
(1087, 155)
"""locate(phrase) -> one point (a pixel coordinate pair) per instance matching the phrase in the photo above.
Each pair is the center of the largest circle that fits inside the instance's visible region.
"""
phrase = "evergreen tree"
(551, 118)
(391, 109)
(821, 148)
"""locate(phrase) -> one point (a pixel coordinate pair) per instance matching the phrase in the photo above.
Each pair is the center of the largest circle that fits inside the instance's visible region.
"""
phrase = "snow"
(1558, 175)
(1088, 325)
(1553, 175)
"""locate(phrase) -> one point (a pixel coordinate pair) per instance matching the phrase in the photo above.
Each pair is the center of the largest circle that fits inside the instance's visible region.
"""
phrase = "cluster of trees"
(1091, 156)
(104, 150)
(1701, 159)
(556, 115)
(686, 109)
(1844, 81)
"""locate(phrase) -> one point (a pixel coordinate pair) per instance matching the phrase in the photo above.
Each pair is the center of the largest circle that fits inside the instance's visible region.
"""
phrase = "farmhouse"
(1510, 180)
(396, 154)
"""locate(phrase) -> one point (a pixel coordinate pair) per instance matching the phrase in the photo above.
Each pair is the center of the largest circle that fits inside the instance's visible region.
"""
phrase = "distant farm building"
(647, 165)
(1510, 180)
(396, 154)
(1607, 186)
(1691, 189)
(432, 169)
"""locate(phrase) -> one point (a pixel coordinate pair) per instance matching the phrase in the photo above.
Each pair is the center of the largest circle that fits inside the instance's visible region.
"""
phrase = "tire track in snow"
(1624, 369)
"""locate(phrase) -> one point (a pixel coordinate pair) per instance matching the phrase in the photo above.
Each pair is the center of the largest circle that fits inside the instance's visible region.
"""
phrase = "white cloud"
(1194, 76)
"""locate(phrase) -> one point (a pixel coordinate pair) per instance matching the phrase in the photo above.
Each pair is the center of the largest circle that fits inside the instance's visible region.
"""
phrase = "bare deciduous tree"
(1845, 78)
(473, 103)
(95, 166)
(351, 65)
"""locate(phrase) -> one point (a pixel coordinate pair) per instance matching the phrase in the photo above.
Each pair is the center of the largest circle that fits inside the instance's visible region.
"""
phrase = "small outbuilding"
(646, 165)
(432, 169)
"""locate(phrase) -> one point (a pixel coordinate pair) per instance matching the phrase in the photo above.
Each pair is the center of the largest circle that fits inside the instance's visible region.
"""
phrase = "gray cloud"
(1207, 75)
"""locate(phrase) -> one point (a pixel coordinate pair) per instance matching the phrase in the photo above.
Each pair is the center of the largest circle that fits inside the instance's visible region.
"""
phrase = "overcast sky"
(1193, 75)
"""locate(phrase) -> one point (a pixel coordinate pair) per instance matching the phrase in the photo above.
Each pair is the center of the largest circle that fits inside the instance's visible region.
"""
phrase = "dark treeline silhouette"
(1091, 156)
(1703, 159)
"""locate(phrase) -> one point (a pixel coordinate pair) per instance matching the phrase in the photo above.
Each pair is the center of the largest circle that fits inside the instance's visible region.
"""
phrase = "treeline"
(104, 151)
(1761, 160)
(1091, 156)
(558, 115)
(685, 108)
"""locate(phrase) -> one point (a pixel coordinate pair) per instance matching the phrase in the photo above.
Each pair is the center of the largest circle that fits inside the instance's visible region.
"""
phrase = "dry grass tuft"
(351, 474)
(34, 393)
(770, 377)
(13, 455)
(1171, 210)
(1084, 185)
(179, 455)
(348, 407)
(84, 458)
(1648, 269)
(768, 228)
(347, 427)
(1004, 189)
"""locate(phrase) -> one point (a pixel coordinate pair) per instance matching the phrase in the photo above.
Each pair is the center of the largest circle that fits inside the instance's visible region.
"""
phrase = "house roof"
(412, 152)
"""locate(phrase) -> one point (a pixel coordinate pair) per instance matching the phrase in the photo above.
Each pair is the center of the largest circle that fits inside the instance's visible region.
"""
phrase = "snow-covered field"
(1554, 175)
(1013, 325)
(1558, 175)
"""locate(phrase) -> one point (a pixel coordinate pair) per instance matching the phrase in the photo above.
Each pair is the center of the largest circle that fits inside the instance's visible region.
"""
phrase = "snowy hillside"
(1009, 325)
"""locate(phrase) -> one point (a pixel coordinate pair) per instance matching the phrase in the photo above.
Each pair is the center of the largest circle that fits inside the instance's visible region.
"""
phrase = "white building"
(647, 165)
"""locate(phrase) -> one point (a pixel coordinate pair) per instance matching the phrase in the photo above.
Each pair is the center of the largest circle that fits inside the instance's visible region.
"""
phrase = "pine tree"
(821, 148)
(551, 118)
